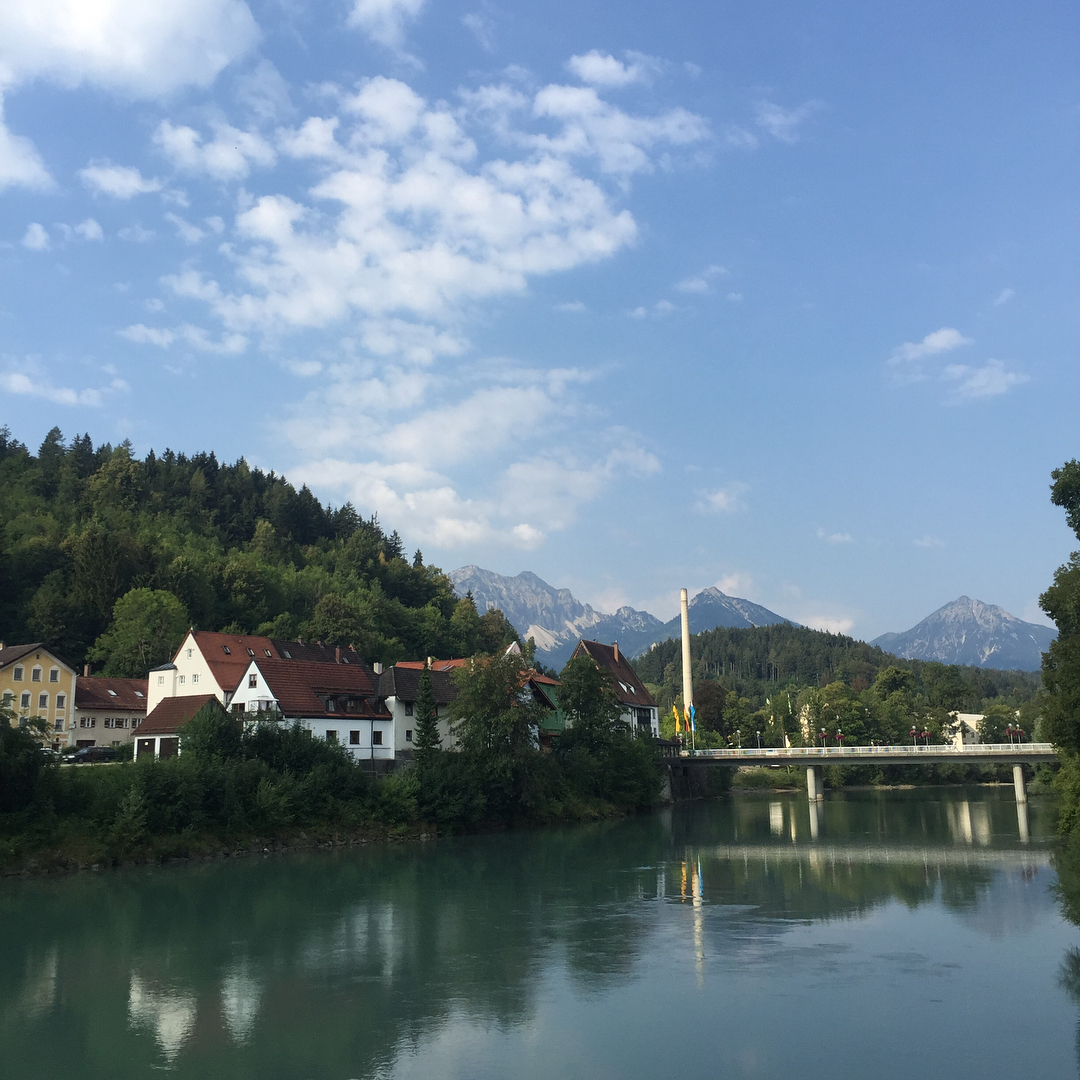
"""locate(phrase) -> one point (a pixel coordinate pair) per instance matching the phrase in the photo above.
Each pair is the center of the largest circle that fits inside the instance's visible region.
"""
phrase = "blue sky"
(774, 296)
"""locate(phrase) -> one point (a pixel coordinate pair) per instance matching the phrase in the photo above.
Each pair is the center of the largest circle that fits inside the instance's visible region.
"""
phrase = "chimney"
(337, 654)
(377, 667)
(616, 648)
(86, 671)
(430, 661)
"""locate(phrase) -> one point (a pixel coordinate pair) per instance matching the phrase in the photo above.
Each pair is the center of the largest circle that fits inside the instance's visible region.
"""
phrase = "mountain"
(555, 619)
(970, 632)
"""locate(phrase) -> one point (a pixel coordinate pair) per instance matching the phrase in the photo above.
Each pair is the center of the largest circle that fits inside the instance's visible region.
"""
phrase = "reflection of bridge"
(813, 757)
(875, 854)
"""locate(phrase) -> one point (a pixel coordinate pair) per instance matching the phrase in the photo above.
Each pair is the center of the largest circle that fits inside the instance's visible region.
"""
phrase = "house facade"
(35, 682)
(640, 710)
(337, 702)
(399, 688)
(211, 663)
(107, 711)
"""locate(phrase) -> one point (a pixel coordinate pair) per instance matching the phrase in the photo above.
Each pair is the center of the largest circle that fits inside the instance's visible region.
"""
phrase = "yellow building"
(35, 682)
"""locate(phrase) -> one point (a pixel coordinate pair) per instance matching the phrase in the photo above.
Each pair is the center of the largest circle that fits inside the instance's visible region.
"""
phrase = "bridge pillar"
(815, 783)
(1019, 785)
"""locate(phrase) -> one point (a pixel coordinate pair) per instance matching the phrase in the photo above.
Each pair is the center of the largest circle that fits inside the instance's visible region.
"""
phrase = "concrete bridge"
(814, 757)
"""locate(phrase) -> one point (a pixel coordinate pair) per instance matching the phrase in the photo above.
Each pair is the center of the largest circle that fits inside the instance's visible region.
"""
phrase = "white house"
(336, 702)
(399, 687)
(640, 710)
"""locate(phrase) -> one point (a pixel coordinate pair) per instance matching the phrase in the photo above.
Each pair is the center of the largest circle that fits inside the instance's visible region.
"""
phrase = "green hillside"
(187, 540)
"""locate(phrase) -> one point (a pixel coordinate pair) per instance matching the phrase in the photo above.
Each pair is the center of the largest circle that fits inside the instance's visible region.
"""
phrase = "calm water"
(916, 937)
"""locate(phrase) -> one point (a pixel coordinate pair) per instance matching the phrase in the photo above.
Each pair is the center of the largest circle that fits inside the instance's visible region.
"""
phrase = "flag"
(693, 719)
(676, 712)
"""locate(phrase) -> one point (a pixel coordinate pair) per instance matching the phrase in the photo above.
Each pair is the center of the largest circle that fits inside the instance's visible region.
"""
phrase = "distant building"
(159, 734)
(107, 711)
(399, 687)
(35, 682)
(211, 663)
(336, 702)
(639, 707)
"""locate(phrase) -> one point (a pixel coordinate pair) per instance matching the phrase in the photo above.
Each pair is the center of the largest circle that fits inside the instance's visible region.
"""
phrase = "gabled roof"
(300, 688)
(628, 687)
(172, 713)
(436, 665)
(10, 653)
(102, 692)
(403, 682)
(228, 655)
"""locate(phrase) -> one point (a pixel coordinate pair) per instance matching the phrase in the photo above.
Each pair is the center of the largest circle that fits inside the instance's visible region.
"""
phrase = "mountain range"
(555, 619)
(968, 631)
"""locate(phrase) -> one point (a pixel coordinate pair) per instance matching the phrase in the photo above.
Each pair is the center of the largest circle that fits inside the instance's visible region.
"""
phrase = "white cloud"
(1004, 297)
(834, 538)
(928, 541)
(734, 297)
(195, 336)
(990, 380)
(20, 163)
(27, 379)
(940, 341)
(136, 234)
(35, 238)
(834, 624)
(481, 24)
(119, 181)
(573, 307)
(229, 156)
(190, 234)
(602, 69)
(736, 584)
(145, 48)
(384, 21)
(701, 283)
(89, 230)
(724, 500)
(781, 123)
(264, 92)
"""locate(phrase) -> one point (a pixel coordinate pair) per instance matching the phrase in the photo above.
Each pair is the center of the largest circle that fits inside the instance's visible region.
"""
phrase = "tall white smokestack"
(687, 683)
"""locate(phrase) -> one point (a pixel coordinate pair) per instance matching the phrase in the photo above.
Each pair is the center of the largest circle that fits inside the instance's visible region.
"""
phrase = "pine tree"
(427, 740)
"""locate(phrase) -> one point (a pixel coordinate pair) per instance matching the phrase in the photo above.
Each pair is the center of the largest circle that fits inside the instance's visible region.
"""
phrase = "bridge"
(815, 757)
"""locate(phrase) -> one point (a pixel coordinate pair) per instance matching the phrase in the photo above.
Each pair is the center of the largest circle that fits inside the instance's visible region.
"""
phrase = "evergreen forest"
(110, 559)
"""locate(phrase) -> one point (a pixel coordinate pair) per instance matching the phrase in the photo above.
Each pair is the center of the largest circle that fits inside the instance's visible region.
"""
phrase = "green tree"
(587, 697)
(211, 734)
(22, 764)
(426, 737)
(146, 630)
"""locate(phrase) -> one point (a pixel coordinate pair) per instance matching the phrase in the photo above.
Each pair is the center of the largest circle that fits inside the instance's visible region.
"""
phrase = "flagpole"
(687, 681)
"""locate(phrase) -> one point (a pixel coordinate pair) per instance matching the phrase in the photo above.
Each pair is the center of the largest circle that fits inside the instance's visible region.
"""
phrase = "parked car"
(89, 754)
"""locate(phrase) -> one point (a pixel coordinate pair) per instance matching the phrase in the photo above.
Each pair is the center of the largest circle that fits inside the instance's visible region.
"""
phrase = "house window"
(253, 681)
(251, 652)
(408, 734)
(288, 655)
(376, 738)
(139, 693)
(331, 736)
(194, 678)
(237, 708)
(354, 738)
(106, 722)
(408, 708)
(59, 725)
(224, 649)
(181, 680)
(161, 680)
(17, 674)
(35, 675)
(331, 705)
(43, 701)
(112, 693)
(268, 652)
(24, 701)
(9, 697)
(61, 700)
(54, 674)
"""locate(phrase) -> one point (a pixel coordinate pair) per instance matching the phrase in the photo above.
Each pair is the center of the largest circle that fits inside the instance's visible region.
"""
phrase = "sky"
(772, 296)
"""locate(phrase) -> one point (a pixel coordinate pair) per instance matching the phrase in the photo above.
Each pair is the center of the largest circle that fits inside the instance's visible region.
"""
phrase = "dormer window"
(225, 650)
(331, 705)
(251, 652)
(288, 655)
(268, 652)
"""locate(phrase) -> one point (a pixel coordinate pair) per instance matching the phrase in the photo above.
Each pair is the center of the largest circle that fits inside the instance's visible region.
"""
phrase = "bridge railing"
(794, 752)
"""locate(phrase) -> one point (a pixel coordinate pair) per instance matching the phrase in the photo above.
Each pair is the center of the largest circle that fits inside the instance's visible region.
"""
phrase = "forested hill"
(765, 661)
(181, 541)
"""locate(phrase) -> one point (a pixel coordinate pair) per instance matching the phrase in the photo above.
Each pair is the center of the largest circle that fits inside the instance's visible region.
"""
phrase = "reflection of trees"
(361, 952)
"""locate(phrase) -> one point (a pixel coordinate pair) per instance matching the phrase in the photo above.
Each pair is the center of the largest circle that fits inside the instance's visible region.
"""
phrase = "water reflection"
(358, 963)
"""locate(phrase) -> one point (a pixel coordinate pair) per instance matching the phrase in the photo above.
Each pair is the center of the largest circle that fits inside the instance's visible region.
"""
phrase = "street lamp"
(758, 734)
(822, 734)
(738, 735)
(913, 743)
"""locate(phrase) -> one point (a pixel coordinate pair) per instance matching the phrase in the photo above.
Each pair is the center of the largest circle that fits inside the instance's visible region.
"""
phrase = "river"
(916, 936)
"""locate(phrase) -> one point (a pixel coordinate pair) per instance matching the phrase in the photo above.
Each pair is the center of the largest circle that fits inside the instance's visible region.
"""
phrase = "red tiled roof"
(229, 667)
(436, 665)
(300, 688)
(173, 713)
(629, 689)
(92, 692)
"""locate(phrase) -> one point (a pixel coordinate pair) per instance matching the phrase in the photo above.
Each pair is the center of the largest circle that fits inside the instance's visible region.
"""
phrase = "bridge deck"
(974, 754)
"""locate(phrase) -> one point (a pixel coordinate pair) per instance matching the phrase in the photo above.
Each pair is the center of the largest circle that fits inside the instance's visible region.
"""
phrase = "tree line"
(110, 558)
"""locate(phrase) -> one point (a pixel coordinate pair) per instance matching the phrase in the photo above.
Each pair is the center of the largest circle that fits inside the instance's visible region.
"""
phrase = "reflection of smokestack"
(687, 684)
